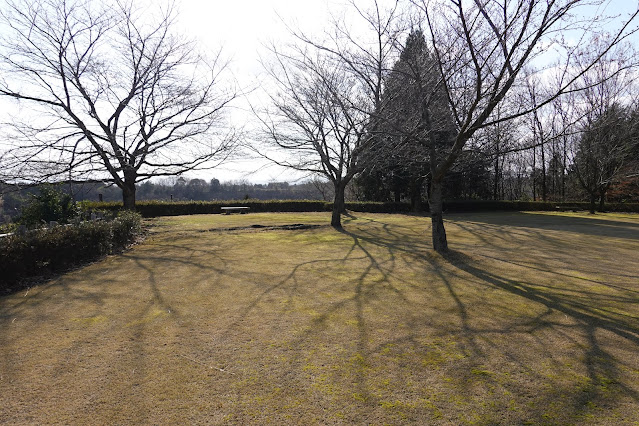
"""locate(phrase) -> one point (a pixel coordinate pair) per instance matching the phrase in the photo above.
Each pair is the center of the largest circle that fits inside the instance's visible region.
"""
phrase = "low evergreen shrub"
(41, 252)
(48, 205)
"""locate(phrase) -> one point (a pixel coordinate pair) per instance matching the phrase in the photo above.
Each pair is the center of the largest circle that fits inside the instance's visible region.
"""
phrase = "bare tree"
(482, 46)
(502, 137)
(605, 123)
(563, 120)
(323, 187)
(541, 135)
(321, 110)
(117, 98)
(601, 152)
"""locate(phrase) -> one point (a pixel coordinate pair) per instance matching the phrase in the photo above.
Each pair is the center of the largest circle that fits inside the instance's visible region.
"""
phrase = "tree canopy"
(120, 96)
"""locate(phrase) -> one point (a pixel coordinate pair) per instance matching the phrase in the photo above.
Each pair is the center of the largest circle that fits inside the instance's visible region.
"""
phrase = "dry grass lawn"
(533, 318)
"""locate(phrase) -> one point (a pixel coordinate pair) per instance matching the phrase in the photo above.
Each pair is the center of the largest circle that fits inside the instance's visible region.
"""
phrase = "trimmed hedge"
(622, 207)
(45, 251)
(176, 208)
(375, 207)
(485, 206)
(165, 208)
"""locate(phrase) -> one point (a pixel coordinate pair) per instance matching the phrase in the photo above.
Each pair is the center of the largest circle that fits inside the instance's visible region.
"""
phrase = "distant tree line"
(176, 189)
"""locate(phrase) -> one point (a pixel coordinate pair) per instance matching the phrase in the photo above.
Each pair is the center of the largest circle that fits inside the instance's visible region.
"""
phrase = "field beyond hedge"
(533, 318)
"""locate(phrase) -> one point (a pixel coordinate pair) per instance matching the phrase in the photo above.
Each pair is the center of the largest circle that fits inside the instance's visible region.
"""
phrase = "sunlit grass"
(531, 318)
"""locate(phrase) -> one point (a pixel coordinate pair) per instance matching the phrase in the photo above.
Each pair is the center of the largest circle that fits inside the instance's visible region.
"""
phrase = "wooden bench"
(229, 210)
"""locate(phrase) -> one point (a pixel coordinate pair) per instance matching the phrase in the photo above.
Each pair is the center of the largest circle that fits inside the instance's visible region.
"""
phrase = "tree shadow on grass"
(384, 252)
(605, 226)
(603, 368)
(605, 371)
(376, 279)
(128, 314)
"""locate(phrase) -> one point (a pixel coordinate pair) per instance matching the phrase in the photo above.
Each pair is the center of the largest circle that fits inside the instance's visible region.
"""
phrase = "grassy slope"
(533, 317)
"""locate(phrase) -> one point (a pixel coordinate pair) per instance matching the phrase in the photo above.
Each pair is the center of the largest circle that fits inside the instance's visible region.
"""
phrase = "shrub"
(125, 227)
(46, 251)
(49, 205)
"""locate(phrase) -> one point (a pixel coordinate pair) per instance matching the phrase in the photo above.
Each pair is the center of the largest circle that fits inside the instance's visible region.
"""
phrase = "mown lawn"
(533, 318)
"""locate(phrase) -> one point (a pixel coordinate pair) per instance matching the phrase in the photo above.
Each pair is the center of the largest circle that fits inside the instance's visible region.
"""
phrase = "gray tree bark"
(339, 206)
(436, 204)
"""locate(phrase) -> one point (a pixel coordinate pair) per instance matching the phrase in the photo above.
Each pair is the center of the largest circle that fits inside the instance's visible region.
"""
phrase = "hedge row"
(484, 206)
(164, 208)
(45, 251)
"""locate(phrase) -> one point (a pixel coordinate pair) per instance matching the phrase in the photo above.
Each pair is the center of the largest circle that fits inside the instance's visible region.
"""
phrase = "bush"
(125, 227)
(46, 251)
(49, 205)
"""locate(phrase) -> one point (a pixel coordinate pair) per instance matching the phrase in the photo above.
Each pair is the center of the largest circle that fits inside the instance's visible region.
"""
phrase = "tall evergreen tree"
(414, 120)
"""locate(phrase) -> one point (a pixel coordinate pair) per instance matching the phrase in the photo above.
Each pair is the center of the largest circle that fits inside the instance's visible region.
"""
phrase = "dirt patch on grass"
(531, 319)
(258, 227)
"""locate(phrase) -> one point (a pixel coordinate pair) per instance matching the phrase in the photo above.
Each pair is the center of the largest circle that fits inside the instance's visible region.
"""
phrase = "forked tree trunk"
(436, 205)
(593, 201)
(338, 206)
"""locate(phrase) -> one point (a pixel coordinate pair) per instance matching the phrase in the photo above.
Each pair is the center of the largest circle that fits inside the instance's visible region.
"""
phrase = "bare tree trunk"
(534, 175)
(128, 190)
(496, 182)
(602, 200)
(593, 201)
(128, 197)
(544, 187)
(436, 204)
(563, 171)
(338, 206)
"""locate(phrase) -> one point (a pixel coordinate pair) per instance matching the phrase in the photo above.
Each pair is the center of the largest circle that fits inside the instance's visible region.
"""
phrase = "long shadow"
(582, 225)
(367, 284)
(99, 297)
(372, 281)
(603, 369)
(602, 366)
(586, 313)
